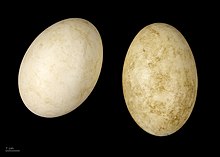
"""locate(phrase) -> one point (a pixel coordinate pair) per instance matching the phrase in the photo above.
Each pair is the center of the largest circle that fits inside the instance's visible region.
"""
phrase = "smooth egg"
(159, 79)
(61, 67)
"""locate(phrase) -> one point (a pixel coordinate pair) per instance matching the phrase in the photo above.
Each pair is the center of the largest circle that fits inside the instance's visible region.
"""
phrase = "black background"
(102, 122)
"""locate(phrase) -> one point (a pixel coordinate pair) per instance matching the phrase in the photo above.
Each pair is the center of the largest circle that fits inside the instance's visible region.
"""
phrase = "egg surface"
(61, 67)
(159, 79)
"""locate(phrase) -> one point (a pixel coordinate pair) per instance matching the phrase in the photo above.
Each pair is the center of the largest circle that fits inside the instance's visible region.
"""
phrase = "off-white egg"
(61, 67)
(159, 79)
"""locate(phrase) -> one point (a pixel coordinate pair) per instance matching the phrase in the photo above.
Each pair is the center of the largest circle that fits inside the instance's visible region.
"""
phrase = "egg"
(61, 67)
(159, 79)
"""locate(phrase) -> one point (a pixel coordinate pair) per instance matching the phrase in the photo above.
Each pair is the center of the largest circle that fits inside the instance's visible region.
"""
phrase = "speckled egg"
(61, 67)
(159, 79)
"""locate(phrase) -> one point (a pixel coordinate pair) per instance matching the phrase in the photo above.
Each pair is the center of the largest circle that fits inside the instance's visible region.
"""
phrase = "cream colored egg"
(61, 67)
(159, 79)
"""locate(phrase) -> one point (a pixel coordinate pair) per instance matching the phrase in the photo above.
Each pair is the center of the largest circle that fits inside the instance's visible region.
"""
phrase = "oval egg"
(61, 67)
(159, 79)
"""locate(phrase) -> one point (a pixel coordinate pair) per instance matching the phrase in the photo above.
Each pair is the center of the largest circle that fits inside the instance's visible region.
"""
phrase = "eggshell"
(159, 79)
(61, 67)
